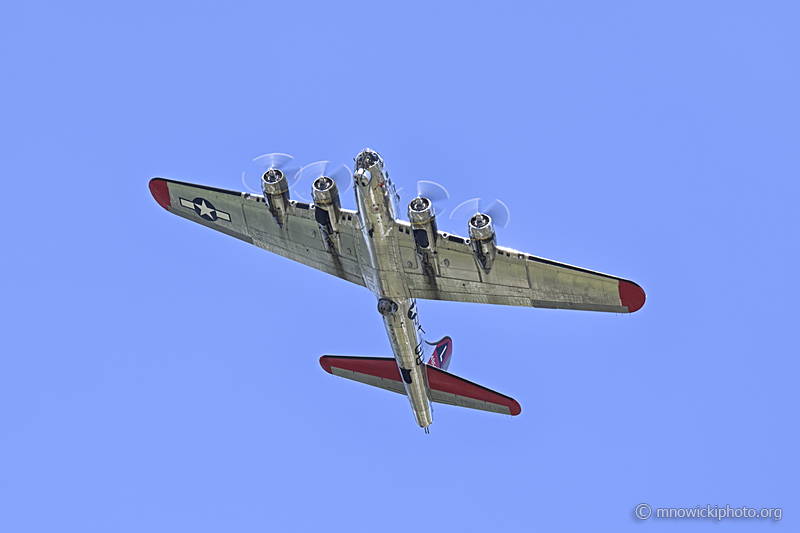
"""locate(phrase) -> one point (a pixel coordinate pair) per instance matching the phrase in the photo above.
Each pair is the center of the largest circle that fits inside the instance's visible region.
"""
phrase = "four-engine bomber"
(399, 262)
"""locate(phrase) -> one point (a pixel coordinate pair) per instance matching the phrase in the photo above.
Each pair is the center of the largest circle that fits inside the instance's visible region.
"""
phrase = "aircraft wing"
(515, 278)
(247, 217)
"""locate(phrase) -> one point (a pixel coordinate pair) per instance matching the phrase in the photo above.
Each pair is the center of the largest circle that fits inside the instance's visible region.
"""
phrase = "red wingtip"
(631, 295)
(325, 364)
(515, 408)
(160, 192)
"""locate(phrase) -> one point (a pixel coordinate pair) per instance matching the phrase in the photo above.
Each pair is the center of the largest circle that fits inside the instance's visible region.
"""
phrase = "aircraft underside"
(399, 262)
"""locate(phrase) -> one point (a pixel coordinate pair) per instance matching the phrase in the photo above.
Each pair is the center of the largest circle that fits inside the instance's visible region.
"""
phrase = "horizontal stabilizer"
(444, 387)
(453, 390)
(381, 372)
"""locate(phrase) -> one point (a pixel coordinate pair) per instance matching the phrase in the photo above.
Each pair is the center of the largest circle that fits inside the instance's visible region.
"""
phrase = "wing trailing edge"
(444, 387)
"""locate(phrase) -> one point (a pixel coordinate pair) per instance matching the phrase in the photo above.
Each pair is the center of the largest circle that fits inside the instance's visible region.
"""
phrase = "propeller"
(340, 173)
(283, 162)
(500, 213)
(433, 191)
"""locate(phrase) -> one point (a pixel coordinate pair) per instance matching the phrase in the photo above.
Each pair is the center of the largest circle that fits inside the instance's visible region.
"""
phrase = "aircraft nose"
(367, 158)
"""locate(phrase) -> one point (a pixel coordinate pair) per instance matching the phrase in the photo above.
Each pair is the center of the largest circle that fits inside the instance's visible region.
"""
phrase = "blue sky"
(159, 376)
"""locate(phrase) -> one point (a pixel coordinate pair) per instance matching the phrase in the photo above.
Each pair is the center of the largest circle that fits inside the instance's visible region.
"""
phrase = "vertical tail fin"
(442, 352)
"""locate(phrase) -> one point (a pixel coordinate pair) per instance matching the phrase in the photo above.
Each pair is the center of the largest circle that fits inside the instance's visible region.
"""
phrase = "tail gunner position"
(399, 262)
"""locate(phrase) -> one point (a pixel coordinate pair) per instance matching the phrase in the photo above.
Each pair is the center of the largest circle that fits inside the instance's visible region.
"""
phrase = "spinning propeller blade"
(433, 191)
(340, 173)
(500, 213)
(283, 162)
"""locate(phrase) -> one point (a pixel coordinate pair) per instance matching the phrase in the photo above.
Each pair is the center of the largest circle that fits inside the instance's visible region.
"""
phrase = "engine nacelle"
(327, 206)
(423, 223)
(276, 191)
(483, 240)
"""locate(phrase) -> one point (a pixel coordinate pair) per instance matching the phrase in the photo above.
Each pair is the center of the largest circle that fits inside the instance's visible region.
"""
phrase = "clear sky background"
(159, 376)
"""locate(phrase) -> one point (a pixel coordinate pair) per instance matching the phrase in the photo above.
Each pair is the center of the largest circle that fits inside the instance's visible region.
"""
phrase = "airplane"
(400, 262)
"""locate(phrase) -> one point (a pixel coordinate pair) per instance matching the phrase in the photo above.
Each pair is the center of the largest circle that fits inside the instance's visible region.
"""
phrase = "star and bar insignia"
(205, 209)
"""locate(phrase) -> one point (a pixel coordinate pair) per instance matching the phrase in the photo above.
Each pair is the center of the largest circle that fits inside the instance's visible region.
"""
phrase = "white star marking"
(204, 209)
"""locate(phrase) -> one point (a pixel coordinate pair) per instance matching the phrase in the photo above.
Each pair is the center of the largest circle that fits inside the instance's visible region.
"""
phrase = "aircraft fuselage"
(377, 209)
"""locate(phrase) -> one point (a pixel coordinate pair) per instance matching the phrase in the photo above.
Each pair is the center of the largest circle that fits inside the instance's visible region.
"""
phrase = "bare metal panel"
(348, 247)
(256, 220)
(410, 260)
